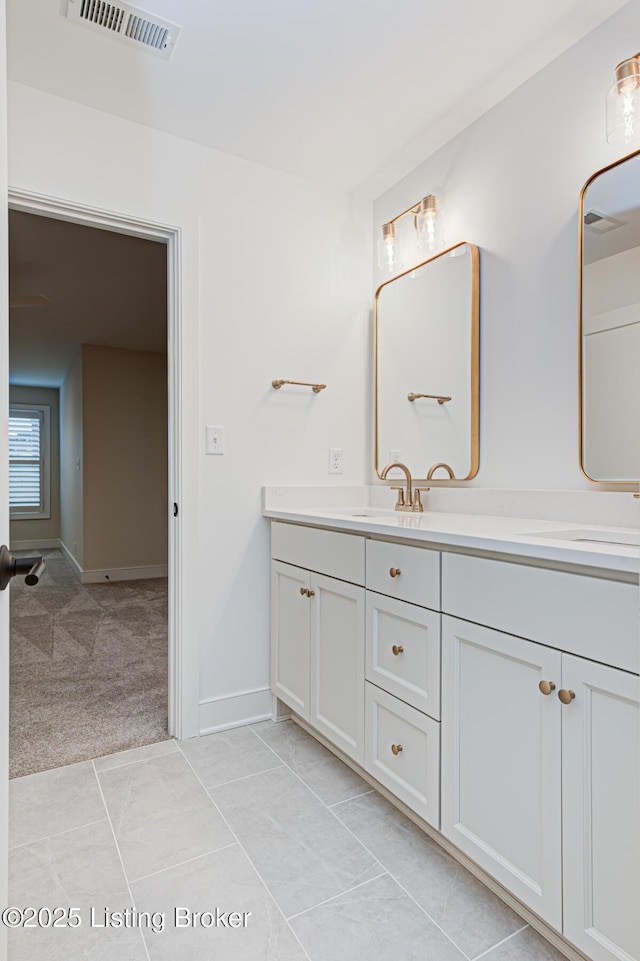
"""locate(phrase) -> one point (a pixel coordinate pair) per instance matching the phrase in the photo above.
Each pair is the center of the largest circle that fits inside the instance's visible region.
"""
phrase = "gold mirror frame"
(474, 373)
(627, 485)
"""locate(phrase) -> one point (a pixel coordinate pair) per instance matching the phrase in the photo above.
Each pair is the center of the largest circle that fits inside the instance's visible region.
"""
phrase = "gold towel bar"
(438, 397)
(316, 388)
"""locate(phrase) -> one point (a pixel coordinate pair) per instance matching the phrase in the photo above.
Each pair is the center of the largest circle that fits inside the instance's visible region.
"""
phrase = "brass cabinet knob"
(546, 687)
(397, 649)
(395, 571)
(303, 591)
(396, 748)
(311, 593)
(566, 696)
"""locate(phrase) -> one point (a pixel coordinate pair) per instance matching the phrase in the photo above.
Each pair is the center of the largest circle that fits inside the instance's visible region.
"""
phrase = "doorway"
(101, 603)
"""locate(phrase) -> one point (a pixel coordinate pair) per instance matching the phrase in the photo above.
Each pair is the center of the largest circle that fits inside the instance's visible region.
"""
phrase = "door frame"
(182, 664)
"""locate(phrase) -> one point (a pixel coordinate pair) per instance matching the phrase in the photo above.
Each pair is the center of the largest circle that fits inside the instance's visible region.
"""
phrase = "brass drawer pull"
(397, 649)
(566, 696)
(395, 571)
(546, 687)
(396, 748)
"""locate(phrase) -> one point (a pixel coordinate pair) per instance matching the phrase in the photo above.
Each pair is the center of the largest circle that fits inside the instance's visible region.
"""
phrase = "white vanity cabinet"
(402, 689)
(601, 810)
(317, 631)
(541, 748)
(501, 761)
(439, 673)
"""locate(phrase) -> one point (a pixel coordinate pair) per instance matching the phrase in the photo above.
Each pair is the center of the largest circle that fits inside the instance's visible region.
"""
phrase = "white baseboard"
(235, 710)
(112, 574)
(77, 570)
(41, 543)
(124, 574)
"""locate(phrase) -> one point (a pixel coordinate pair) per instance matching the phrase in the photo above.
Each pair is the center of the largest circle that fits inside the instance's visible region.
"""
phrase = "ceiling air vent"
(127, 23)
(601, 223)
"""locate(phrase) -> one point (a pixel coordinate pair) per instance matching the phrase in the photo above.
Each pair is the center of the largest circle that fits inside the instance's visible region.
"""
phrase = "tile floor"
(260, 819)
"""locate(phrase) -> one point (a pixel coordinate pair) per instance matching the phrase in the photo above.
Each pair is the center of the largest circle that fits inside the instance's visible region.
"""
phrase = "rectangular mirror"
(609, 344)
(427, 341)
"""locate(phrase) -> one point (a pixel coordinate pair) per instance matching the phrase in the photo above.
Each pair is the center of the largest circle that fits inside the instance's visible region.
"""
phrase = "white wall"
(273, 285)
(42, 529)
(510, 183)
(124, 449)
(71, 476)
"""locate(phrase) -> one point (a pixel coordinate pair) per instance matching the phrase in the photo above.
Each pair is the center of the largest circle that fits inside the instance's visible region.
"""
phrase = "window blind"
(25, 460)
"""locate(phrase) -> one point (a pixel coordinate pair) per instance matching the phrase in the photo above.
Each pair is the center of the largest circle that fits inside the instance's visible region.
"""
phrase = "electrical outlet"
(394, 456)
(336, 460)
(214, 440)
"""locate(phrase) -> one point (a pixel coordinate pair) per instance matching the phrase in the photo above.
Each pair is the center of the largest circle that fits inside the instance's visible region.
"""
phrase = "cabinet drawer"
(403, 651)
(409, 573)
(326, 552)
(402, 751)
(589, 616)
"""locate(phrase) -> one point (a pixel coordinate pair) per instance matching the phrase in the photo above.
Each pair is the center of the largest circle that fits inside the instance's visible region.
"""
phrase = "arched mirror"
(427, 367)
(610, 323)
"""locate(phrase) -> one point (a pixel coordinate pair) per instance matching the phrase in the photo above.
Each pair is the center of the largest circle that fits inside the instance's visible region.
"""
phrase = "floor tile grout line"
(377, 860)
(244, 777)
(497, 945)
(180, 864)
(354, 798)
(336, 897)
(302, 780)
(118, 767)
(47, 837)
(242, 848)
(124, 872)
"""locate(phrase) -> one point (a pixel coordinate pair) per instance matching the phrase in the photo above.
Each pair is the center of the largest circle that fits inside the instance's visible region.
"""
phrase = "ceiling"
(331, 90)
(106, 288)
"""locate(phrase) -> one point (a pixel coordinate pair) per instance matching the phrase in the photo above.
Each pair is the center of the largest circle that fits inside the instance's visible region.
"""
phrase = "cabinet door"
(601, 810)
(337, 663)
(290, 631)
(501, 780)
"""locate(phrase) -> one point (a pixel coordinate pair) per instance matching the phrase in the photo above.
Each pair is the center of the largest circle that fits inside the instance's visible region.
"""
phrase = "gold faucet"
(435, 467)
(410, 501)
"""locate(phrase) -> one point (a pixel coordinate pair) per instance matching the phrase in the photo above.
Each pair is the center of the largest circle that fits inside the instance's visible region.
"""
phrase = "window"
(29, 470)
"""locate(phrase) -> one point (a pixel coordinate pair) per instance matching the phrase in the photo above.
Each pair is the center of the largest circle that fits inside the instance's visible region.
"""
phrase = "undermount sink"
(618, 538)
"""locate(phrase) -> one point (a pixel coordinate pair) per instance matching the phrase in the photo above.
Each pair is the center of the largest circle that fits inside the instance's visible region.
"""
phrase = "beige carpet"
(88, 667)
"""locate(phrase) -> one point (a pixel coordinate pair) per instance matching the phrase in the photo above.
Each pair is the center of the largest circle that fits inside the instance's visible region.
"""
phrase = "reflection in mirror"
(610, 324)
(427, 351)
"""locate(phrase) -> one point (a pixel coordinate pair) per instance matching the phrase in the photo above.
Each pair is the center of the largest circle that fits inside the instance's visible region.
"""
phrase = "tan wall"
(71, 475)
(43, 529)
(125, 458)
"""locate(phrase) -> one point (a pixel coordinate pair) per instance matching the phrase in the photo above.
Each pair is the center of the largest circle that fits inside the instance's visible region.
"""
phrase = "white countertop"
(515, 536)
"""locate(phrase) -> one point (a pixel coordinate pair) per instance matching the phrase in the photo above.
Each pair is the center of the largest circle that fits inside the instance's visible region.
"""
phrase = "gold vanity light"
(427, 220)
(623, 103)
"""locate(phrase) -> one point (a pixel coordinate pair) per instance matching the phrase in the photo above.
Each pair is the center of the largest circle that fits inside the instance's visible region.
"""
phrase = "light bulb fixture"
(387, 250)
(429, 224)
(427, 220)
(623, 103)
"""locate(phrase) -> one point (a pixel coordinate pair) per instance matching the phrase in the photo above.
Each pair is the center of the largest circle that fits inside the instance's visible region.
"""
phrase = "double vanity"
(483, 670)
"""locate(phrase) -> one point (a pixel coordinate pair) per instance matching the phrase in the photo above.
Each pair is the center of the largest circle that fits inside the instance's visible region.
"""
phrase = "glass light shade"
(429, 226)
(387, 250)
(623, 104)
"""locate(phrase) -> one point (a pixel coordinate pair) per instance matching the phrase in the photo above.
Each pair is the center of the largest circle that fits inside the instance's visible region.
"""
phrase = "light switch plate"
(214, 440)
